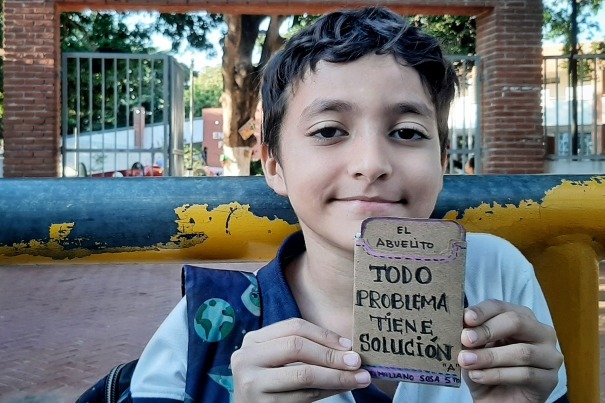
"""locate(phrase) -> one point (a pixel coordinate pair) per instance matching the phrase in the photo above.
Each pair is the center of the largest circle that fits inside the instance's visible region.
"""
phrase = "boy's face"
(358, 140)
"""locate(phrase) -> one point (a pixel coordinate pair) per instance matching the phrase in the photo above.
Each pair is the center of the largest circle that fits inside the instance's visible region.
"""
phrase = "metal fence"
(574, 133)
(559, 119)
(122, 115)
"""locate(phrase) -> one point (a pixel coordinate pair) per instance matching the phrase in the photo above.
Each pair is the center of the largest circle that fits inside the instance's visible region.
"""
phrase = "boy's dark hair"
(345, 36)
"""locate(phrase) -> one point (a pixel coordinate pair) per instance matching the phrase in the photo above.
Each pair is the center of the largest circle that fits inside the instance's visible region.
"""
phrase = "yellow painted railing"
(558, 222)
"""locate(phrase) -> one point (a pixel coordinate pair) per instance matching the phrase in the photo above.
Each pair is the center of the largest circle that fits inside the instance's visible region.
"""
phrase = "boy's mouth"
(370, 206)
(368, 199)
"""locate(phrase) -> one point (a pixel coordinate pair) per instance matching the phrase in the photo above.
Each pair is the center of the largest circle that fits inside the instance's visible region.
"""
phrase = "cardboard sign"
(409, 299)
(247, 129)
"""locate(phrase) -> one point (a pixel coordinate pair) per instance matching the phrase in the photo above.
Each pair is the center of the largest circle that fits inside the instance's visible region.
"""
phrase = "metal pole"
(573, 72)
(77, 159)
(191, 95)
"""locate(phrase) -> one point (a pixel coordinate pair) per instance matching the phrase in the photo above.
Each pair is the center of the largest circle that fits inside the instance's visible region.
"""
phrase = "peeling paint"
(563, 236)
(247, 236)
(227, 232)
(60, 232)
(570, 208)
(233, 232)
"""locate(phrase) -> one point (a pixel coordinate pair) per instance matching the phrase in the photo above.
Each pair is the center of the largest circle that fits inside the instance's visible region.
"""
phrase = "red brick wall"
(31, 120)
(509, 45)
(213, 123)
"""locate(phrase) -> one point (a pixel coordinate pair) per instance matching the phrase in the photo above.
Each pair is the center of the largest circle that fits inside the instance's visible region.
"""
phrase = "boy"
(355, 126)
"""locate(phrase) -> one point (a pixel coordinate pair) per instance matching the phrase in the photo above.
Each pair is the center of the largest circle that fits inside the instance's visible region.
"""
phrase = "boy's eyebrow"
(319, 106)
(417, 108)
(401, 108)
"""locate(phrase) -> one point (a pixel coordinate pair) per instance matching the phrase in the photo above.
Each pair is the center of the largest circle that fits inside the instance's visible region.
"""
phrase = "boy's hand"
(510, 356)
(295, 361)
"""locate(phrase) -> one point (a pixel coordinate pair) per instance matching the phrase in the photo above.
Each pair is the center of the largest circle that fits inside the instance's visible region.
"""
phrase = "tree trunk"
(241, 80)
(573, 77)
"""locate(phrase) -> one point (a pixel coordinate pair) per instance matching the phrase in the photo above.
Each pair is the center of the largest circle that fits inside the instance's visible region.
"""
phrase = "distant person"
(469, 167)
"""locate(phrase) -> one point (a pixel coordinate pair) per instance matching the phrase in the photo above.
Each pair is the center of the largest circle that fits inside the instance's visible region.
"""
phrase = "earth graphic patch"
(214, 320)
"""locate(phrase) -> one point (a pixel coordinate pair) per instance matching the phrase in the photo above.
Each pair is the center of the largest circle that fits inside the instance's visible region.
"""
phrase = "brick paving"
(63, 327)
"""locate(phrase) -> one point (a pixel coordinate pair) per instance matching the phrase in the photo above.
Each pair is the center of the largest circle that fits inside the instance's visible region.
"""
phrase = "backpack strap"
(222, 306)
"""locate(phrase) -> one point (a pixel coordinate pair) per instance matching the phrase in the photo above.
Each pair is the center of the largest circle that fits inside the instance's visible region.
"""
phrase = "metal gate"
(122, 115)
(561, 122)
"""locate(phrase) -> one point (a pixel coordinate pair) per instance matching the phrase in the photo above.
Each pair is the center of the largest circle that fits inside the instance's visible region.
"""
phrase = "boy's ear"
(274, 174)
(444, 162)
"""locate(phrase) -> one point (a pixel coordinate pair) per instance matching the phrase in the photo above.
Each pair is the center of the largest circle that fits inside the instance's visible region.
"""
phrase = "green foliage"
(102, 102)
(102, 32)
(107, 104)
(597, 47)
(109, 89)
(457, 34)
(558, 22)
(208, 88)
(194, 160)
(299, 22)
(256, 168)
(189, 28)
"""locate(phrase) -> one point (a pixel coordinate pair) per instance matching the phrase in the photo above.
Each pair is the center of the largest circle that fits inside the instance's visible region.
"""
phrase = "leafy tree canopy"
(558, 22)
(102, 32)
(192, 28)
(208, 88)
(113, 32)
(457, 34)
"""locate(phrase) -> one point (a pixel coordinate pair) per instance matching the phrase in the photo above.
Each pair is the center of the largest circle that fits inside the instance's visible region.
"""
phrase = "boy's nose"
(371, 160)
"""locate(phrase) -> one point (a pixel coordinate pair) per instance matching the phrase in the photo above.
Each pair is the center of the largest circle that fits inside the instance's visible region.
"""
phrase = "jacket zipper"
(110, 384)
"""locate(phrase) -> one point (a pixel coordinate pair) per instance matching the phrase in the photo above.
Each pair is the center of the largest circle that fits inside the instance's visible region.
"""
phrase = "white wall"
(575, 167)
(106, 159)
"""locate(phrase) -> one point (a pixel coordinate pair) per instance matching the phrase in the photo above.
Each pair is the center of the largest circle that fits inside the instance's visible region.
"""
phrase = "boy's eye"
(328, 133)
(408, 134)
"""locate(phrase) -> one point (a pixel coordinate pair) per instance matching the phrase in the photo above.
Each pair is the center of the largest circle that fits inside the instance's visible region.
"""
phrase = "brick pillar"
(509, 42)
(31, 89)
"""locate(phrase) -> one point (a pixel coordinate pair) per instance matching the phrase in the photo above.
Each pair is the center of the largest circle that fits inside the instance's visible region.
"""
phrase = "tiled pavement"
(63, 327)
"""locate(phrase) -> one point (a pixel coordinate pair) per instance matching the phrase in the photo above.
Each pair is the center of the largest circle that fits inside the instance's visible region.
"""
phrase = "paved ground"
(63, 327)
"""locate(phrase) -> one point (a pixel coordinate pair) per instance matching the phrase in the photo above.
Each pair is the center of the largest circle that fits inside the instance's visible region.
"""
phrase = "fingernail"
(351, 359)
(346, 343)
(472, 336)
(475, 375)
(362, 378)
(472, 315)
(468, 358)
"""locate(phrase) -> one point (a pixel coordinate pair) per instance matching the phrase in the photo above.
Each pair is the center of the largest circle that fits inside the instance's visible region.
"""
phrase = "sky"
(598, 35)
(202, 59)
(185, 56)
